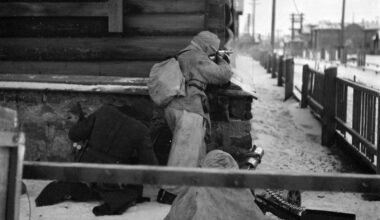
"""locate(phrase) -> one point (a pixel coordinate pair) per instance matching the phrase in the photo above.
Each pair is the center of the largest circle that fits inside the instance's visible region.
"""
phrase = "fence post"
(274, 65)
(323, 54)
(280, 70)
(305, 85)
(343, 56)
(289, 75)
(329, 107)
(378, 137)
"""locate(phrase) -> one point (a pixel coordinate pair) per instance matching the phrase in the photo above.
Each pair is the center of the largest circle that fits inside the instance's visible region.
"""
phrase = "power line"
(295, 6)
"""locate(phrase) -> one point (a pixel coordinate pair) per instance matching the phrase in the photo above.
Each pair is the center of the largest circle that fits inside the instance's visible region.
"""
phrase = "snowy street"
(290, 137)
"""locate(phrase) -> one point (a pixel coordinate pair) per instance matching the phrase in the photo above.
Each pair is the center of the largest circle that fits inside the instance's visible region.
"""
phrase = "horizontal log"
(101, 49)
(74, 79)
(73, 9)
(160, 24)
(200, 177)
(9, 9)
(164, 6)
(122, 68)
(53, 26)
(134, 24)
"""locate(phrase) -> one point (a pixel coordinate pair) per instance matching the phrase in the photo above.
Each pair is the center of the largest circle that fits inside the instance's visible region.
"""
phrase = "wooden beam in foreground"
(200, 177)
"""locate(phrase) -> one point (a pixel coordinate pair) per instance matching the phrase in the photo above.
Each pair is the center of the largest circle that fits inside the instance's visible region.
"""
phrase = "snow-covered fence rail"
(328, 96)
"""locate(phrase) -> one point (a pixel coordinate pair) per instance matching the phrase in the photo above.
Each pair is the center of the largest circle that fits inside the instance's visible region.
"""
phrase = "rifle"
(277, 205)
(221, 53)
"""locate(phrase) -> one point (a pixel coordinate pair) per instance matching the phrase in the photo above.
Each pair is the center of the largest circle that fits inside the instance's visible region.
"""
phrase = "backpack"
(166, 81)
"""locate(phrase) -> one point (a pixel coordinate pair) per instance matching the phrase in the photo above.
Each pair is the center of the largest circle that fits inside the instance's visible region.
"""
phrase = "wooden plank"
(38, 86)
(155, 175)
(378, 137)
(15, 178)
(318, 108)
(53, 26)
(74, 79)
(356, 116)
(115, 16)
(148, 24)
(305, 84)
(164, 6)
(215, 18)
(101, 49)
(134, 24)
(72, 9)
(361, 87)
(370, 147)
(4, 168)
(289, 78)
(341, 104)
(107, 68)
(280, 70)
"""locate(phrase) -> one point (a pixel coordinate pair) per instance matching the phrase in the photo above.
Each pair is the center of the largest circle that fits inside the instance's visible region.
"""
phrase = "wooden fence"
(280, 67)
(336, 100)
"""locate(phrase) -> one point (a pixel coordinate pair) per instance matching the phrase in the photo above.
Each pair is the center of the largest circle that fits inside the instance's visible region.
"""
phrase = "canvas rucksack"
(166, 81)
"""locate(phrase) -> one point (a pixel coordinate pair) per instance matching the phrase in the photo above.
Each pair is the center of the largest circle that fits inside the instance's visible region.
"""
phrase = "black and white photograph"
(189, 110)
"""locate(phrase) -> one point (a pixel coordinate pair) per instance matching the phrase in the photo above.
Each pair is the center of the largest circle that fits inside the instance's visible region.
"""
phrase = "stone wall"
(45, 117)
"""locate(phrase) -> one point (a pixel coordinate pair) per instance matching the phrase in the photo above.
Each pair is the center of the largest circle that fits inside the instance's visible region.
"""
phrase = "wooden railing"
(336, 100)
(361, 133)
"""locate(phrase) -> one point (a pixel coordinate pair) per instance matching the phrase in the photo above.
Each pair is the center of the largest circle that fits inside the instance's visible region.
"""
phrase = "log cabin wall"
(97, 37)
(52, 50)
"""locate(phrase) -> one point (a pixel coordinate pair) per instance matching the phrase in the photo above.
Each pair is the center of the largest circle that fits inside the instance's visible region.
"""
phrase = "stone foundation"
(45, 117)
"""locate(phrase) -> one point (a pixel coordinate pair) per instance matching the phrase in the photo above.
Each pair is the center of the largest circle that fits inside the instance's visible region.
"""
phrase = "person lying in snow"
(198, 203)
(111, 136)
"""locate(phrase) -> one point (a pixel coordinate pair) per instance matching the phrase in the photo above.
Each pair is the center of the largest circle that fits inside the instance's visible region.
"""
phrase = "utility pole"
(301, 23)
(253, 17)
(273, 23)
(342, 25)
(292, 17)
(296, 18)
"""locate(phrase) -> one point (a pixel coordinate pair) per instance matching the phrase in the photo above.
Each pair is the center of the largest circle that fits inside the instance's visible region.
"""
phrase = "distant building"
(326, 35)
(371, 32)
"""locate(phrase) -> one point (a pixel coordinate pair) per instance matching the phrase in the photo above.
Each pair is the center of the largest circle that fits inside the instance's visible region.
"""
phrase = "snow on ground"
(365, 76)
(83, 210)
(290, 137)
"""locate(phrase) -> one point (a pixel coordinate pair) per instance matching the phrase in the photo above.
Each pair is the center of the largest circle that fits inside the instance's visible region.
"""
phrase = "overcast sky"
(314, 10)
